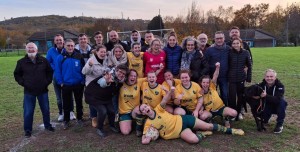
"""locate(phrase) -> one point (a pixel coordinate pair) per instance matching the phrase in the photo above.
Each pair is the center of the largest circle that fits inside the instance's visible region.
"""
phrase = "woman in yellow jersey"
(129, 98)
(167, 84)
(135, 59)
(187, 96)
(177, 126)
(212, 102)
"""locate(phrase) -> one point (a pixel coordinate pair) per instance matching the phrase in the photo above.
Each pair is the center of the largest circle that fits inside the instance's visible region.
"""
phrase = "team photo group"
(155, 88)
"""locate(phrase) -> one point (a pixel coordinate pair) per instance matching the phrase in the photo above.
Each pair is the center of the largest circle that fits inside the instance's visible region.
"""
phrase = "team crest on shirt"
(194, 91)
(156, 92)
(151, 59)
(135, 87)
(159, 117)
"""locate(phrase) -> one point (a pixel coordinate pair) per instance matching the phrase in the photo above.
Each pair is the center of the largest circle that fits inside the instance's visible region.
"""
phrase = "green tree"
(156, 23)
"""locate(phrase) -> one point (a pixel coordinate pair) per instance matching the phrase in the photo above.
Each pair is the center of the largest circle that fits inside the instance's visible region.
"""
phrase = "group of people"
(172, 88)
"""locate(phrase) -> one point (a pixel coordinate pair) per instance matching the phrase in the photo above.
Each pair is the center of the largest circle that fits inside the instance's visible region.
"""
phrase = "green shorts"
(218, 112)
(125, 117)
(188, 121)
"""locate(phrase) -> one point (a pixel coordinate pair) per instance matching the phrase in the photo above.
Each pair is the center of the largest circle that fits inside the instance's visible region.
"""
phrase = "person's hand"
(217, 64)
(263, 94)
(200, 112)
(245, 69)
(91, 63)
(170, 83)
(161, 66)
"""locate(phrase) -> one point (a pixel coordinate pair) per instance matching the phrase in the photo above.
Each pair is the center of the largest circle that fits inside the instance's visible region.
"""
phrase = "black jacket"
(109, 46)
(274, 93)
(237, 62)
(34, 77)
(245, 46)
(199, 67)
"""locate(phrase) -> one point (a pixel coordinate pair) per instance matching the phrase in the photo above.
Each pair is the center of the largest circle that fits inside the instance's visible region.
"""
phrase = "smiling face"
(149, 37)
(121, 74)
(118, 52)
(234, 33)
(185, 79)
(101, 53)
(151, 78)
(155, 46)
(135, 36)
(236, 44)
(205, 84)
(59, 41)
(168, 76)
(113, 36)
(136, 49)
(31, 50)
(145, 109)
(98, 39)
(270, 77)
(83, 40)
(69, 47)
(219, 39)
(132, 78)
(202, 39)
(172, 41)
(190, 45)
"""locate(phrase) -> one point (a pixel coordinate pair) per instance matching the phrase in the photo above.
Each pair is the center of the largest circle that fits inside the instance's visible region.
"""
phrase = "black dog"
(257, 105)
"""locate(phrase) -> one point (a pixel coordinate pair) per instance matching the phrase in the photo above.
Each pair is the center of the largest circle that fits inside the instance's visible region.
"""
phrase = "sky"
(134, 9)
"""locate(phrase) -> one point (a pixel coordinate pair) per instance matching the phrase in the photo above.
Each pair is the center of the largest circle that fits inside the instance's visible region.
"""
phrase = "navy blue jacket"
(173, 58)
(218, 54)
(68, 69)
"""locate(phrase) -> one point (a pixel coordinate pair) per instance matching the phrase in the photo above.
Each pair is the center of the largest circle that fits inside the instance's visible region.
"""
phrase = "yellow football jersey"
(130, 96)
(190, 95)
(152, 96)
(212, 100)
(168, 125)
(167, 87)
(136, 63)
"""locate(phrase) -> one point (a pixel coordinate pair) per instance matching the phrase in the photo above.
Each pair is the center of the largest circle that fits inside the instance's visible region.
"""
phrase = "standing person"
(176, 126)
(83, 47)
(34, 73)
(190, 47)
(187, 96)
(113, 40)
(173, 54)
(202, 38)
(95, 67)
(239, 58)
(98, 37)
(154, 59)
(135, 59)
(117, 56)
(213, 104)
(68, 73)
(234, 32)
(274, 95)
(148, 38)
(135, 37)
(99, 94)
(219, 53)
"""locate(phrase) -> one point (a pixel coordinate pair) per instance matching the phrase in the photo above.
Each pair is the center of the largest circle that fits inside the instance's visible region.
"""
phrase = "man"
(202, 38)
(34, 73)
(235, 33)
(148, 38)
(275, 102)
(219, 53)
(51, 56)
(114, 39)
(98, 37)
(68, 69)
(99, 94)
(135, 37)
(83, 47)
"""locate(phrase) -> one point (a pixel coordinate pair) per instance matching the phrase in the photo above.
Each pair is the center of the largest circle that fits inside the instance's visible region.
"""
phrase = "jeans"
(275, 108)
(236, 99)
(29, 106)
(57, 90)
(67, 92)
(102, 111)
(223, 85)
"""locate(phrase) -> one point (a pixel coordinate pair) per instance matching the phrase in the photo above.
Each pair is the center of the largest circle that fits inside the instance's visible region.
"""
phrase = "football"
(153, 133)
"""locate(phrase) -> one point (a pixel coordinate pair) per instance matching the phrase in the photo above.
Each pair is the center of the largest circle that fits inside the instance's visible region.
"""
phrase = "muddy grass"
(85, 138)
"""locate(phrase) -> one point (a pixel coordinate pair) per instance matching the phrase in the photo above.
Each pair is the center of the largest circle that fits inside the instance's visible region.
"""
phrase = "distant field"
(284, 60)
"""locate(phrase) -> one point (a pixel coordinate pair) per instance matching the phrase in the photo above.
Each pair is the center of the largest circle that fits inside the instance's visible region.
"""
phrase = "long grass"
(285, 61)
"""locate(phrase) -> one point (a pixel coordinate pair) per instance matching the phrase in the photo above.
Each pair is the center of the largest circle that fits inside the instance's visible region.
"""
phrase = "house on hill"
(255, 37)
(44, 40)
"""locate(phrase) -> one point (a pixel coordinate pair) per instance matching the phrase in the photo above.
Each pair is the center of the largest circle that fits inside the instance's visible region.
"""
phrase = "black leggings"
(236, 92)
(102, 111)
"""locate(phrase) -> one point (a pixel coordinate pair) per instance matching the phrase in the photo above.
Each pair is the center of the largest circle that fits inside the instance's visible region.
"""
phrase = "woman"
(129, 98)
(95, 67)
(117, 56)
(154, 59)
(187, 96)
(190, 47)
(176, 126)
(240, 70)
(199, 66)
(212, 102)
(173, 54)
(135, 59)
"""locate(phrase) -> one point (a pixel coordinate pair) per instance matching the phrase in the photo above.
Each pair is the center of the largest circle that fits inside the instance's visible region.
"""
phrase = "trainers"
(205, 133)
(114, 129)
(60, 118)
(27, 134)
(94, 122)
(278, 129)
(66, 125)
(50, 129)
(227, 124)
(101, 133)
(72, 116)
(139, 133)
(238, 132)
(241, 116)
